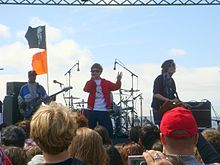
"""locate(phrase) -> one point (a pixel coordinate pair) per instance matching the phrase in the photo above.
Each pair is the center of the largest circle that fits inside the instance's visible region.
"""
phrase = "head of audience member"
(134, 134)
(213, 137)
(13, 135)
(179, 131)
(168, 66)
(114, 158)
(158, 146)
(149, 134)
(87, 146)
(32, 76)
(16, 155)
(32, 151)
(49, 131)
(96, 71)
(103, 132)
(25, 125)
(80, 119)
(130, 149)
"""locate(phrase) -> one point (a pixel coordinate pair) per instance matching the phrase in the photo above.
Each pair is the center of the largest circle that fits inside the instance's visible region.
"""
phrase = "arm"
(89, 86)
(117, 85)
(206, 151)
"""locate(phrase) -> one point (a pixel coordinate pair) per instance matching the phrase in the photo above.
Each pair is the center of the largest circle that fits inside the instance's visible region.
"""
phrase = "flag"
(36, 37)
(39, 62)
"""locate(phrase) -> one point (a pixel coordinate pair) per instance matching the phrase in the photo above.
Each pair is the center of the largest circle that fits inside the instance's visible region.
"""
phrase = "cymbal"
(81, 102)
(71, 97)
(130, 90)
(127, 108)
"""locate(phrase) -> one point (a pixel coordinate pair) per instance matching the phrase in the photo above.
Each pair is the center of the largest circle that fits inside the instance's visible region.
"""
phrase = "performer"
(31, 96)
(164, 89)
(99, 99)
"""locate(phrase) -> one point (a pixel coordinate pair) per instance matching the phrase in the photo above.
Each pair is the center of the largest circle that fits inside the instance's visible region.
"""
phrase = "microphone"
(115, 65)
(78, 66)
(57, 82)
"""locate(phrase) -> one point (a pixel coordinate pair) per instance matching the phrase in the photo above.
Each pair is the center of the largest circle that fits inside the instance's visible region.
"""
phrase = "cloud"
(177, 52)
(4, 31)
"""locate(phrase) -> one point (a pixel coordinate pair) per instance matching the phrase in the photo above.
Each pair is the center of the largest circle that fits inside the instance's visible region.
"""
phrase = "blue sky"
(140, 37)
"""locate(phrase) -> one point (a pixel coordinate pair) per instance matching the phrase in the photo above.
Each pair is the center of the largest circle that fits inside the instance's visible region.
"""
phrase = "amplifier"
(202, 113)
(13, 88)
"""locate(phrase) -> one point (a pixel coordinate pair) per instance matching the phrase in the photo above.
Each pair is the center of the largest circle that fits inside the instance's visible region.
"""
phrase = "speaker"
(13, 88)
(11, 114)
(202, 113)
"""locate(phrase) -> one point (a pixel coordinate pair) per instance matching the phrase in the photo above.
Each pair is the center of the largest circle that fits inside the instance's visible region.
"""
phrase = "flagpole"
(48, 90)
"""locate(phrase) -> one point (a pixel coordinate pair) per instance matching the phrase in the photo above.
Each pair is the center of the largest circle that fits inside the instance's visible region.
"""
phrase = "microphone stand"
(69, 75)
(132, 89)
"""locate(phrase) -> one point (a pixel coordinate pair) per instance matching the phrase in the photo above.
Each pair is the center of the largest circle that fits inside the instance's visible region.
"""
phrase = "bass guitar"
(34, 104)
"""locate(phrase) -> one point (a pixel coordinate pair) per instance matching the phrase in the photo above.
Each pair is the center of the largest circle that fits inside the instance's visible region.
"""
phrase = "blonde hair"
(87, 146)
(53, 128)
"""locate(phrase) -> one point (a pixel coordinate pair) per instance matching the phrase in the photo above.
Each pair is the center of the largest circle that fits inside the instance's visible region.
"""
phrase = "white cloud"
(177, 52)
(4, 31)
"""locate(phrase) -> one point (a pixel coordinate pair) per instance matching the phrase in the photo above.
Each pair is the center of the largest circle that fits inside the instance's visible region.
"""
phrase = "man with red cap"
(179, 134)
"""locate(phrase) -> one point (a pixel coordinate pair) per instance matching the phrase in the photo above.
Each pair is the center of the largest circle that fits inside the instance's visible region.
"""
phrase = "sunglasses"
(95, 71)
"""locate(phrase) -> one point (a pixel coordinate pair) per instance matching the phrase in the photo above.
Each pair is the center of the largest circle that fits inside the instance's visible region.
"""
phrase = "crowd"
(55, 135)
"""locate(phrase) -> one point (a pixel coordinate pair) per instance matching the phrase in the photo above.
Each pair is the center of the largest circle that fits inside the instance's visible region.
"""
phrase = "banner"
(39, 62)
(36, 37)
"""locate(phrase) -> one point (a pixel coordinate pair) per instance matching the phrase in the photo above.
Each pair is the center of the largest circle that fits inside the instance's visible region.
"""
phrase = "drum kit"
(123, 111)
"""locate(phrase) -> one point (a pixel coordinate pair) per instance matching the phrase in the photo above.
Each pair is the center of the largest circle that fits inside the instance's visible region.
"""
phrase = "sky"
(139, 38)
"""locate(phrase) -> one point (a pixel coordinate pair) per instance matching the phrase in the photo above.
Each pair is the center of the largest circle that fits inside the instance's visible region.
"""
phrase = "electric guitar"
(34, 104)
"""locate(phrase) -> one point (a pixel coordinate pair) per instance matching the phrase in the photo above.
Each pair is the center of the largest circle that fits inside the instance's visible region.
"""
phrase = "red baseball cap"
(178, 119)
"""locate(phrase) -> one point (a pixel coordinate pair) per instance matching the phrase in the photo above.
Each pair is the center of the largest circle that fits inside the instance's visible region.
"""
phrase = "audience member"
(80, 119)
(52, 129)
(32, 151)
(4, 160)
(213, 137)
(103, 132)
(179, 134)
(114, 158)
(87, 146)
(134, 134)
(13, 136)
(17, 155)
(158, 146)
(25, 124)
(149, 134)
(130, 149)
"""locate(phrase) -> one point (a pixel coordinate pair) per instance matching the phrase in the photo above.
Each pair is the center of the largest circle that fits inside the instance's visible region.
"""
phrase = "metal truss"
(111, 2)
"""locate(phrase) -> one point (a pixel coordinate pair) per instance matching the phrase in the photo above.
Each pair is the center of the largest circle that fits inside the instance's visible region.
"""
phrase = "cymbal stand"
(132, 88)
(69, 77)
(141, 111)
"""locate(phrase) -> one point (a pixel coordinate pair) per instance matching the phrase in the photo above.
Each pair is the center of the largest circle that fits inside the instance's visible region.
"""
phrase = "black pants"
(157, 116)
(100, 117)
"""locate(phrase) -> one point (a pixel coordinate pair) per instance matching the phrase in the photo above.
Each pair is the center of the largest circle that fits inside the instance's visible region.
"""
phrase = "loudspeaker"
(11, 114)
(202, 113)
(13, 88)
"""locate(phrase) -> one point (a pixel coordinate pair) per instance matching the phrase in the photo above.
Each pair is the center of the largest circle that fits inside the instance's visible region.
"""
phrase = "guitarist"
(29, 94)
(164, 89)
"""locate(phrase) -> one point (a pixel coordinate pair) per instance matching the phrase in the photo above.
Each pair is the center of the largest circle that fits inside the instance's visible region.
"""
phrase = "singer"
(164, 89)
(99, 99)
